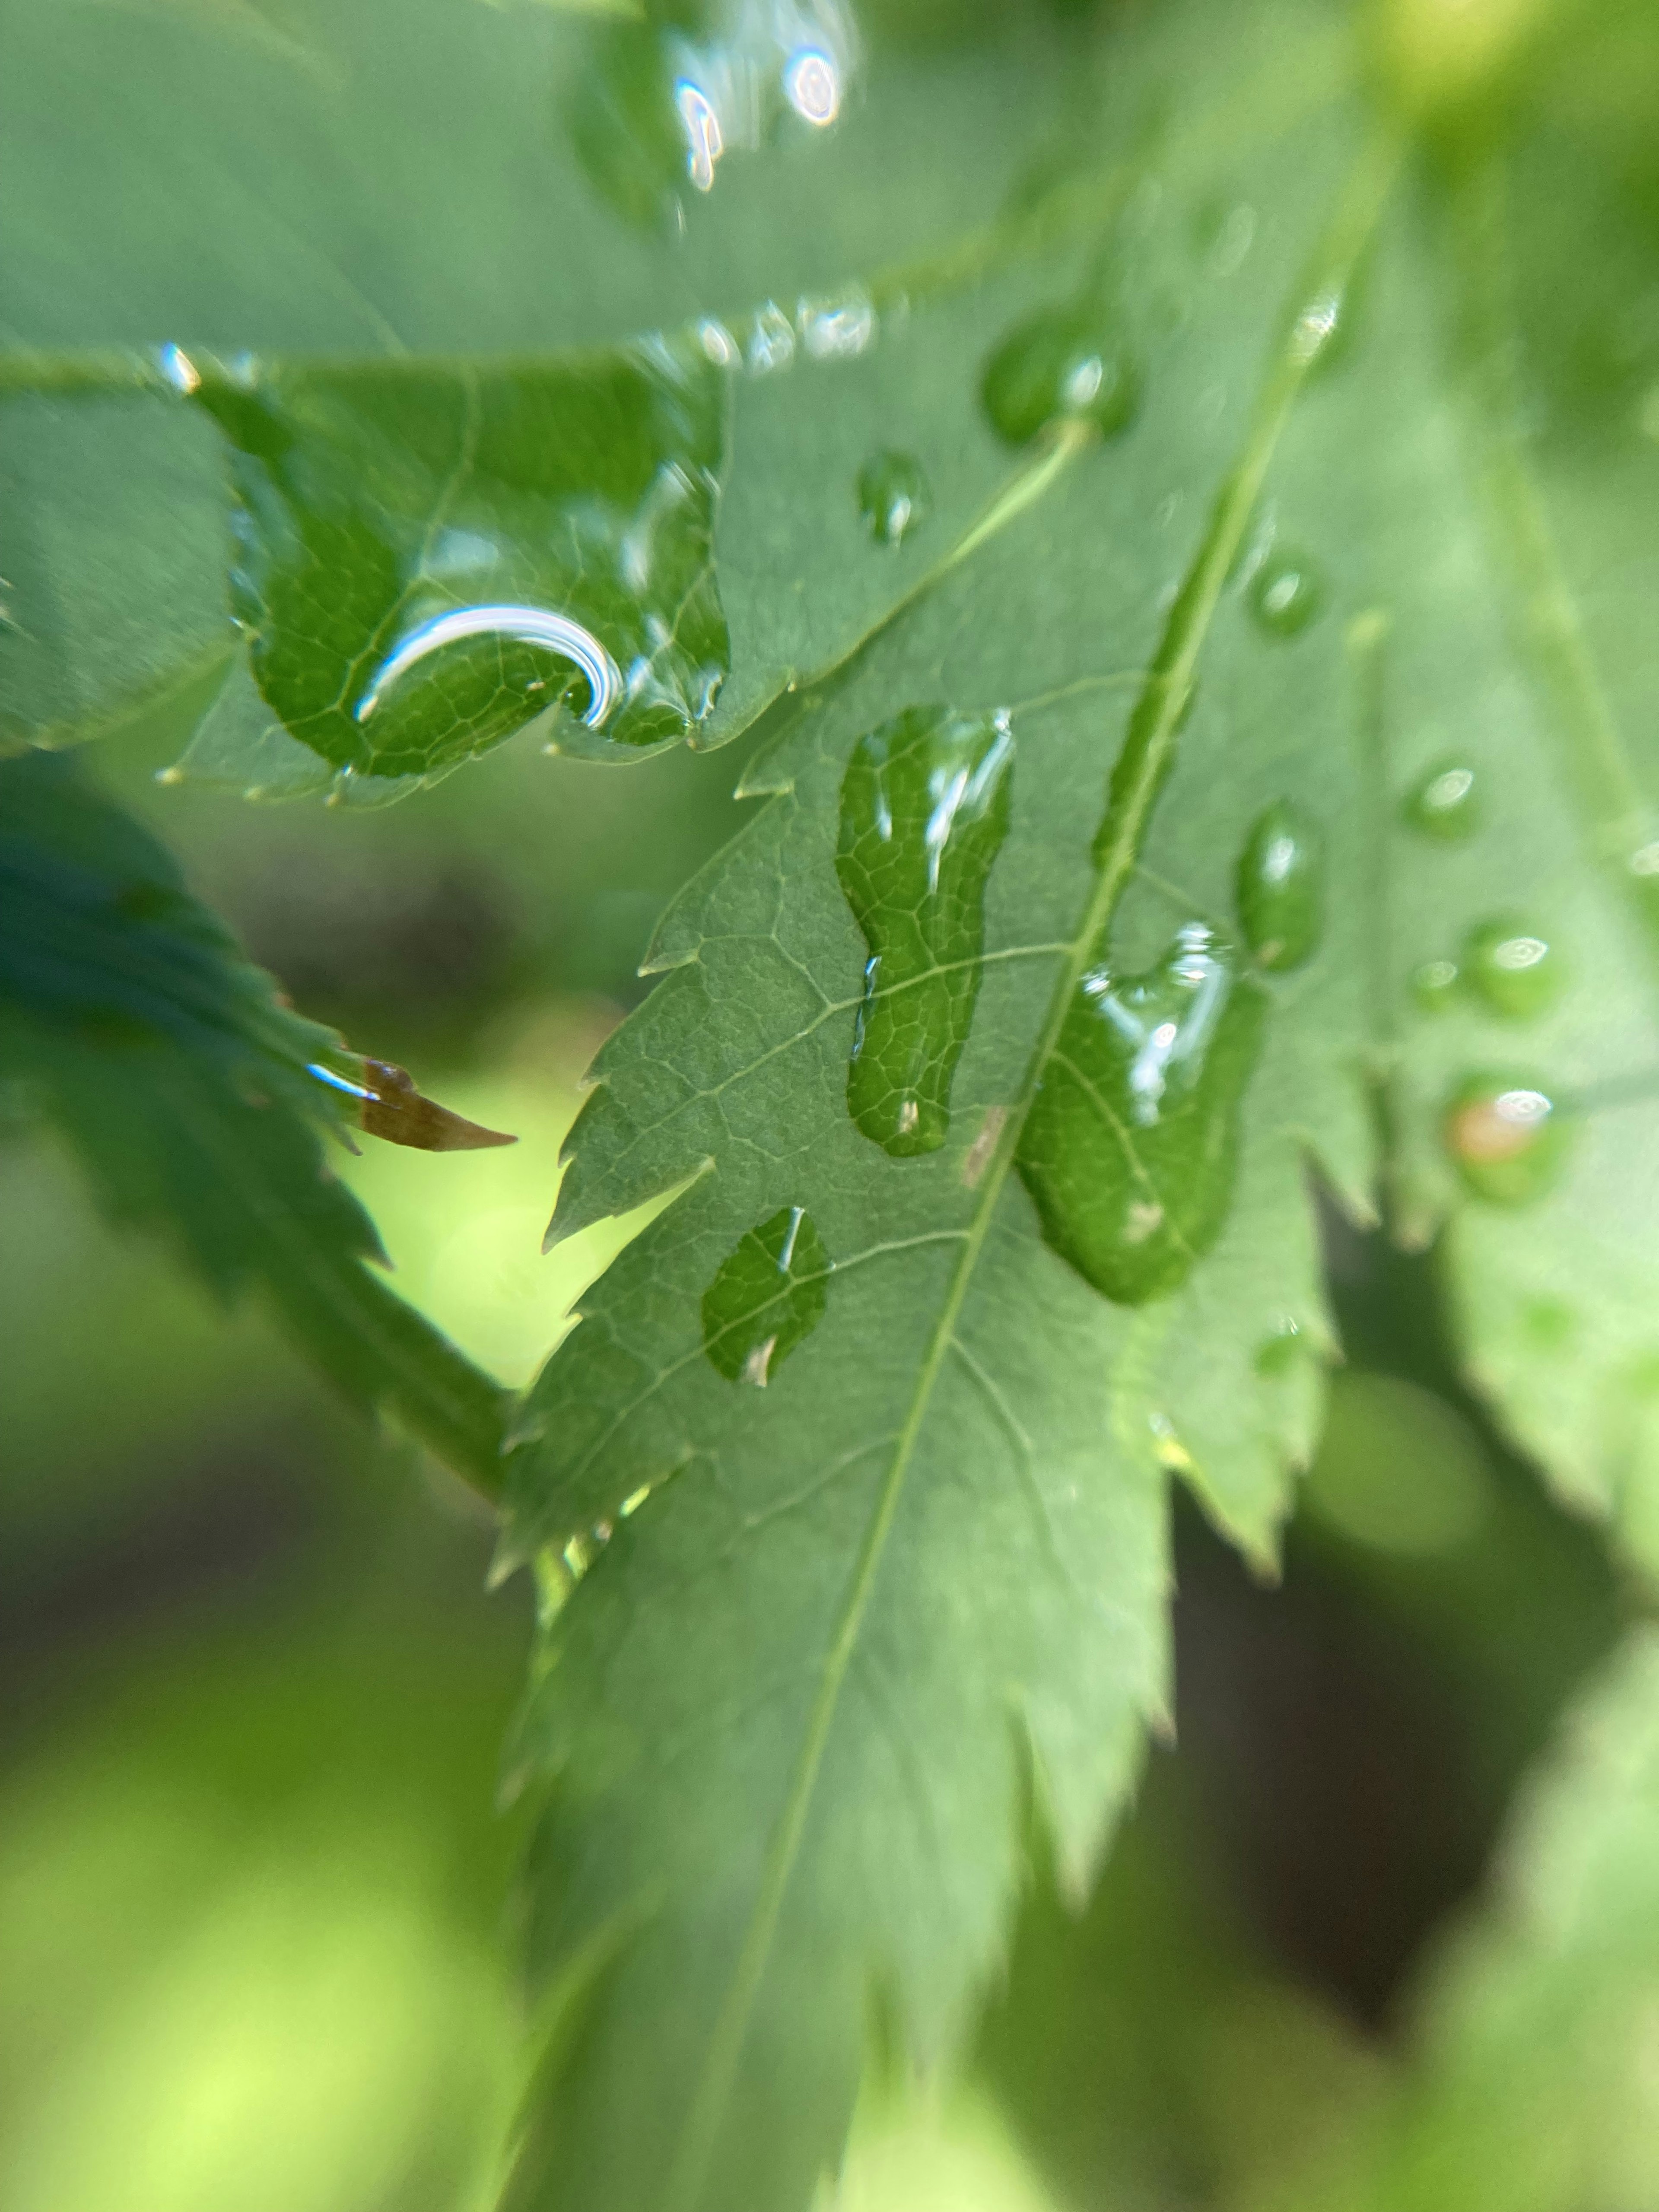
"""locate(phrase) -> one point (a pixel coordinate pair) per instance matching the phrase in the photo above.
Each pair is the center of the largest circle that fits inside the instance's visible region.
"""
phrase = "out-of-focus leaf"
(131, 1019)
(1531, 2088)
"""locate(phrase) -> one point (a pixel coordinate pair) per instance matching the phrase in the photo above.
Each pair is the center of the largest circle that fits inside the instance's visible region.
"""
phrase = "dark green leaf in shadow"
(194, 1096)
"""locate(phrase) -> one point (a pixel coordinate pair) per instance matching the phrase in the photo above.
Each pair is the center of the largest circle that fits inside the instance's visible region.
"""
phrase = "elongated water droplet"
(1434, 985)
(1445, 802)
(1286, 592)
(924, 810)
(1281, 887)
(895, 496)
(1517, 971)
(1506, 1137)
(1130, 1148)
(767, 1295)
(1280, 1353)
(1065, 361)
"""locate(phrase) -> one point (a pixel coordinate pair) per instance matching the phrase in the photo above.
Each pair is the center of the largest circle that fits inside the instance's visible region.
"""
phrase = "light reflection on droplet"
(1311, 332)
(811, 85)
(528, 625)
(180, 370)
(704, 141)
(771, 341)
(836, 330)
(718, 344)
(1645, 861)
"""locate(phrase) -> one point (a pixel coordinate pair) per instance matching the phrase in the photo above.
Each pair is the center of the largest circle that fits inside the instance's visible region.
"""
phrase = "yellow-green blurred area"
(256, 1885)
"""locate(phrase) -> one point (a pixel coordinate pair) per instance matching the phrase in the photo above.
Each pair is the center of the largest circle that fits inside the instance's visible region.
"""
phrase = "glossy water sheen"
(1066, 361)
(1506, 1137)
(1445, 802)
(924, 810)
(1513, 968)
(1281, 888)
(895, 496)
(766, 1297)
(1130, 1146)
(428, 558)
(1286, 592)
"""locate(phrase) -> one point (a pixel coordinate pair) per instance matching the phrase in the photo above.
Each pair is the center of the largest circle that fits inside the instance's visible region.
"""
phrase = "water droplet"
(1434, 985)
(895, 496)
(1065, 361)
(1517, 972)
(1506, 1137)
(768, 1295)
(180, 370)
(836, 330)
(771, 341)
(1315, 327)
(1286, 592)
(1445, 802)
(1130, 1148)
(1281, 887)
(924, 810)
(811, 85)
(1278, 1354)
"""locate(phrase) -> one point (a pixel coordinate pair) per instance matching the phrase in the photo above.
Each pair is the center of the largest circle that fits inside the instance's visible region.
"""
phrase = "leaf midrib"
(1163, 700)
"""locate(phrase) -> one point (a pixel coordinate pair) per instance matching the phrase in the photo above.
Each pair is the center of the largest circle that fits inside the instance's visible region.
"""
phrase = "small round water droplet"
(1434, 985)
(1278, 1354)
(1065, 362)
(1286, 592)
(895, 496)
(1506, 1137)
(1517, 972)
(1445, 802)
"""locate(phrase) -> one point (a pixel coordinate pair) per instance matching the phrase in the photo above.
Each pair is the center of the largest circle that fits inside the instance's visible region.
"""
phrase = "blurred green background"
(255, 1887)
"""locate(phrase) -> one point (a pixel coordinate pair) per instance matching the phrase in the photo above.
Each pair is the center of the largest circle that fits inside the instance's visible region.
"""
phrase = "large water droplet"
(1445, 802)
(895, 496)
(767, 1295)
(1281, 887)
(924, 810)
(1506, 1137)
(1286, 592)
(1065, 362)
(1516, 971)
(1130, 1148)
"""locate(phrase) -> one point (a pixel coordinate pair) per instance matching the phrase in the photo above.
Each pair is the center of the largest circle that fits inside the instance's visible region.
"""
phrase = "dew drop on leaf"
(1445, 802)
(767, 1295)
(1517, 971)
(1434, 985)
(1286, 592)
(1277, 1355)
(1281, 888)
(895, 496)
(924, 810)
(1507, 1138)
(1130, 1148)
(1067, 363)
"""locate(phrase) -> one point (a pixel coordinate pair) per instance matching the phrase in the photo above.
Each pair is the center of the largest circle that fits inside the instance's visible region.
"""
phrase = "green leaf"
(963, 1570)
(129, 1018)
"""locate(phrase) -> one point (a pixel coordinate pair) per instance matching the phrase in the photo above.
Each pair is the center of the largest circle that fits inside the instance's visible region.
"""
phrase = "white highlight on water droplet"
(1279, 860)
(811, 85)
(704, 141)
(1314, 326)
(836, 330)
(1645, 861)
(1523, 1109)
(1449, 790)
(180, 370)
(336, 1082)
(1519, 952)
(718, 344)
(529, 626)
(771, 341)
